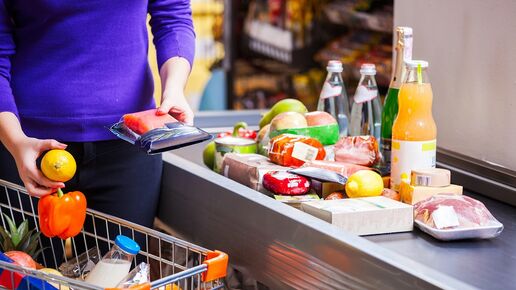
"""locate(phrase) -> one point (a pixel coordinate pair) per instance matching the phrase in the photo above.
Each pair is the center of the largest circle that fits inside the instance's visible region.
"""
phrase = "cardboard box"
(323, 189)
(413, 194)
(296, 200)
(249, 169)
(364, 216)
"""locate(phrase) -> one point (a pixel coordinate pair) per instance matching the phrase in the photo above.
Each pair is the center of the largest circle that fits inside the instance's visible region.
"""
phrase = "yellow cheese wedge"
(413, 194)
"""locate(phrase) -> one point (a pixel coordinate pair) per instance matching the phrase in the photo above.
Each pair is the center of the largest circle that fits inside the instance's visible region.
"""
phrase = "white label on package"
(329, 91)
(304, 152)
(445, 217)
(363, 94)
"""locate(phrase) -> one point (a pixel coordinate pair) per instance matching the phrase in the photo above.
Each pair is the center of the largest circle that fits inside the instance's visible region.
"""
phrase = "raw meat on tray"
(452, 212)
(144, 121)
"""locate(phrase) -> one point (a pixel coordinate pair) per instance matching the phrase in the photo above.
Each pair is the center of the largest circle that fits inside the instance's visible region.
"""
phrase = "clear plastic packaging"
(158, 139)
(293, 151)
(360, 150)
(80, 266)
(453, 217)
(137, 276)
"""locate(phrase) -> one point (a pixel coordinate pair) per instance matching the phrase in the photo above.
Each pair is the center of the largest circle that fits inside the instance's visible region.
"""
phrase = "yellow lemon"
(56, 273)
(58, 165)
(364, 183)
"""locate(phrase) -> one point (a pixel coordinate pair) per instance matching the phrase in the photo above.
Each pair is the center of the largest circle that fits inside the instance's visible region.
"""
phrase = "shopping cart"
(174, 263)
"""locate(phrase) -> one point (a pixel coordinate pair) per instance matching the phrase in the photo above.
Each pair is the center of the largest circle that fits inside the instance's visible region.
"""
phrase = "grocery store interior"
(337, 144)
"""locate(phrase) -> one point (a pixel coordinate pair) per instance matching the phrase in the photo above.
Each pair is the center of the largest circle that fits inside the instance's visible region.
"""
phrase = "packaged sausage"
(360, 150)
(280, 182)
(294, 151)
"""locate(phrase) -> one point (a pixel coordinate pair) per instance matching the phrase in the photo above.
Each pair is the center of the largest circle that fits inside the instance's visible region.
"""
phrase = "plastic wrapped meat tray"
(453, 217)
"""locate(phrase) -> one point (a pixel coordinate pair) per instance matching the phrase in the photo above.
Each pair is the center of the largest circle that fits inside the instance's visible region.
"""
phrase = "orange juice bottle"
(413, 132)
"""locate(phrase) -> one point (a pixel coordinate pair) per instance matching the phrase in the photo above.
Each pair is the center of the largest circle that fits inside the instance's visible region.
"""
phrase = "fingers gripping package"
(452, 217)
(155, 134)
(294, 151)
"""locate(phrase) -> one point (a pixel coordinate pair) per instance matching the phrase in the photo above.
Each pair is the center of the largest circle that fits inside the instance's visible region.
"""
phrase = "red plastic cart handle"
(217, 263)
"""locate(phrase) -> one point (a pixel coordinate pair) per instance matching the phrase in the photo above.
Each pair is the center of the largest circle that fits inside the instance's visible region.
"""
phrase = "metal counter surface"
(485, 264)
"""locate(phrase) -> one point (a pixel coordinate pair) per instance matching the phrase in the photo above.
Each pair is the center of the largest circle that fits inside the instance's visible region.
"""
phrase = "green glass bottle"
(403, 52)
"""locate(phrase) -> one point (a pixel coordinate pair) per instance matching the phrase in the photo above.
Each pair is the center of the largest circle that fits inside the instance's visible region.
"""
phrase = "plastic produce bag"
(81, 265)
(155, 134)
(139, 275)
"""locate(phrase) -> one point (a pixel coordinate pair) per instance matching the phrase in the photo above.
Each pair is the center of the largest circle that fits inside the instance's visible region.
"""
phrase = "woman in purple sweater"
(70, 69)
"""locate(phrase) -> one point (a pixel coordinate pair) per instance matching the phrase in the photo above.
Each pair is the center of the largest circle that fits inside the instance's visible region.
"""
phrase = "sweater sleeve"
(172, 27)
(7, 49)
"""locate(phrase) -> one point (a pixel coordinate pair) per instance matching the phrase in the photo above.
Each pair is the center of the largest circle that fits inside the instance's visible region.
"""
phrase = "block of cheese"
(434, 177)
(413, 194)
(249, 169)
(323, 189)
(364, 216)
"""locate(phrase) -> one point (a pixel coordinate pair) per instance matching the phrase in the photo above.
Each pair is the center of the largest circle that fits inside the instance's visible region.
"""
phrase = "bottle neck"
(367, 81)
(402, 53)
(414, 77)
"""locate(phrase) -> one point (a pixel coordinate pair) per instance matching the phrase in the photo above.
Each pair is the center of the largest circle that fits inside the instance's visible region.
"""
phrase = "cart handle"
(217, 263)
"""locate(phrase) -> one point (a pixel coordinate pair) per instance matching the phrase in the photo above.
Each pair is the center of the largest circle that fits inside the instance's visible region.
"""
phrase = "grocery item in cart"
(345, 169)
(231, 144)
(116, 262)
(449, 217)
(360, 150)
(320, 174)
(155, 134)
(281, 182)
(17, 280)
(294, 151)
(81, 265)
(138, 276)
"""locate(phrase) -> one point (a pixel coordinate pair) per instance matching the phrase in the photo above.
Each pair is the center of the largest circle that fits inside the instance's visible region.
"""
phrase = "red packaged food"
(360, 150)
(144, 121)
(280, 182)
(294, 151)
(345, 169)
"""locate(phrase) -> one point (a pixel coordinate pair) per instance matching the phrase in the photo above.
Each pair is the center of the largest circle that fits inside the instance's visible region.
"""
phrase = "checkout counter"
(285, 248)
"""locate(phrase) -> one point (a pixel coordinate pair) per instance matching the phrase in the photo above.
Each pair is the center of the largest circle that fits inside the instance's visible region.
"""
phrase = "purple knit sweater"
(70, 69)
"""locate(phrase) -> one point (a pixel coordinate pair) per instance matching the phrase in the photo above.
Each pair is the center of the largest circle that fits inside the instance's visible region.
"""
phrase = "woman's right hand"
(25, 153)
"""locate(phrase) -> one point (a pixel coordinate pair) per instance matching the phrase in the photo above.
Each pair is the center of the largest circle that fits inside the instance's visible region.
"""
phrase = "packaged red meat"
(294, 151)
(345, 169)
(280, 182)
(360, 150)
(451, 217)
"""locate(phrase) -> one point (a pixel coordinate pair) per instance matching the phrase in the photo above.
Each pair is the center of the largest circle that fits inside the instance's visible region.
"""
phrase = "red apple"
(319, 118)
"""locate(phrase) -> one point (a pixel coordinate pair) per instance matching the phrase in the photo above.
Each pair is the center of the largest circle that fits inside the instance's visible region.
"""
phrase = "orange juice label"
(409, 155)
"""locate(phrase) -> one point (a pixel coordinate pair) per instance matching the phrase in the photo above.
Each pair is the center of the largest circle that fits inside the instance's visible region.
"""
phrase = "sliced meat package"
(360, 150)
(449, 217)
(345, 169)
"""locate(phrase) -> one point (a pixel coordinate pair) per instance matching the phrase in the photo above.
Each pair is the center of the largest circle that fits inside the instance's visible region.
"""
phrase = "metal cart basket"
(174, 263)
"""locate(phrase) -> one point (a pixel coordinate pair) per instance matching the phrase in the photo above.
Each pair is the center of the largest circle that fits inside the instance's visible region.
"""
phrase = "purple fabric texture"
(70, 69)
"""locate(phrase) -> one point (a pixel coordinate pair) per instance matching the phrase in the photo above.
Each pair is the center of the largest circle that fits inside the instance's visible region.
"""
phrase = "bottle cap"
(415, 63)
(368, 69)
(334, 66)
(127, 245)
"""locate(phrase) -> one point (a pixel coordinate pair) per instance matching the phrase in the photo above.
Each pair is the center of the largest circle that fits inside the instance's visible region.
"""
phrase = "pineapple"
(19, 238)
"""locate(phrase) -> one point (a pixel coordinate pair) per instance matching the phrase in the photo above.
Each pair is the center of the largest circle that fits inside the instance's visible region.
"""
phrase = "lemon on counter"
(364, 183)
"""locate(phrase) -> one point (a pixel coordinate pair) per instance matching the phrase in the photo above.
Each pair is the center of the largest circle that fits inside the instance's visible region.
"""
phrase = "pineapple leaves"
(20, 238)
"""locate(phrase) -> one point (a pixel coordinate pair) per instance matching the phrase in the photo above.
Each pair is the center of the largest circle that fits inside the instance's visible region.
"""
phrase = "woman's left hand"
(174, 74)
(176, 105)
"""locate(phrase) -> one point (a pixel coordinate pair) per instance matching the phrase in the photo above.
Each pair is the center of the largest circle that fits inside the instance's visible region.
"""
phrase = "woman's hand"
(174, 74)
(25, 153)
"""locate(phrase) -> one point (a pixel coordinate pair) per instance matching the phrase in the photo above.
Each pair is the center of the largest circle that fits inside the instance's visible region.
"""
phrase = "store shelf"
(342, 13)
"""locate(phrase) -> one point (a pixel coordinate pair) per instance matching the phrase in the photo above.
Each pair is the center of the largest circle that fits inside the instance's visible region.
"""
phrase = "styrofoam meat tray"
(487, 232)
